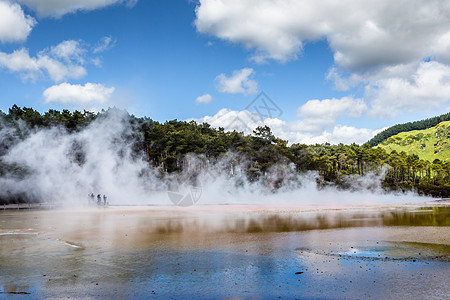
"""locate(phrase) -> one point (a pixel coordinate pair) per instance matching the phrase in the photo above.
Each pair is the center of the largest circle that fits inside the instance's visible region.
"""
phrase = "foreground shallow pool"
(226, 252)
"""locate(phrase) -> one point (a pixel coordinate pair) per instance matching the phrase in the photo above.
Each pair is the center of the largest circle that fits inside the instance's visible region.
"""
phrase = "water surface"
(226, 252)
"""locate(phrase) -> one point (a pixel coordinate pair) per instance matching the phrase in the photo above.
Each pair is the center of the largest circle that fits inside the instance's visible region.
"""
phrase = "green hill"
(428, 144)
(417, 125)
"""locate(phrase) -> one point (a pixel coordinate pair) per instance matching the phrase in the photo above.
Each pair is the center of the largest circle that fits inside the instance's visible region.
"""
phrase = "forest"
(165, 145)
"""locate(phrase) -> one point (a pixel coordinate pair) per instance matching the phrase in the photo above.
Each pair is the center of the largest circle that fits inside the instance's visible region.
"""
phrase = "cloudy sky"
(314, 71)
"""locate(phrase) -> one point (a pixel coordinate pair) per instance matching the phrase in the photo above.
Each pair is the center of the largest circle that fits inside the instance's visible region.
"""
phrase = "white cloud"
(427, 88)
(28, 67)
(15, 26)
(58, 8)
(239, 82)
(75, 93)
(332, 108)
(104, 44)
(64, 61)
(398, 51)
(293, 132)
(205, 99)
(336, 135)
(349, 135)
(320, 114)
(241, 121)
(363, 34)
(344, 82)
(19, 61)
(58, 71)
(441, 48)
(69, 51)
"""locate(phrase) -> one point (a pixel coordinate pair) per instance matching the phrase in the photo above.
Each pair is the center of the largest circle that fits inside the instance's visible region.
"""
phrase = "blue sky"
(339, 72)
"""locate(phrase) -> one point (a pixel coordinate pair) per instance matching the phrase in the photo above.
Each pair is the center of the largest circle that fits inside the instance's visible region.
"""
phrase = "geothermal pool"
(226, 251)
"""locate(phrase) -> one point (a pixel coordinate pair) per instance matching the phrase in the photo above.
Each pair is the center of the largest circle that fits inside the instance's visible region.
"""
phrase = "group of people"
(99, 199)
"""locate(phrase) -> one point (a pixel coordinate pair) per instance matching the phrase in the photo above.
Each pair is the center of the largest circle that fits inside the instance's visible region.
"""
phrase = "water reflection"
(258, 222)
(423, 216)
(432, 216)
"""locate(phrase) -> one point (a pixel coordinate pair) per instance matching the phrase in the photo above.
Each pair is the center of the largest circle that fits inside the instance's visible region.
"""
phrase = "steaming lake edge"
(227, 251)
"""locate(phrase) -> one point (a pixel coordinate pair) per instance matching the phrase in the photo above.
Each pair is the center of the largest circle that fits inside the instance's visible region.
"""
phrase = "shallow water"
(226, 252)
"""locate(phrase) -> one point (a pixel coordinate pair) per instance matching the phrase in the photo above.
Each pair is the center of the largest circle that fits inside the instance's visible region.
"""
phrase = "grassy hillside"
(428, 144)
(417, 125)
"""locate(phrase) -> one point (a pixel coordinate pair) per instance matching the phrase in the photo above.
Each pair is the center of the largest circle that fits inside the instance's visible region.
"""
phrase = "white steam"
(63, 168)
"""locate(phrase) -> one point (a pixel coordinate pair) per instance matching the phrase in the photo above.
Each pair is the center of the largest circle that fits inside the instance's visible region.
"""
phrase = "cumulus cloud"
(427, 88)
(293, 132)
(58, 8)
(75, 93)
(335, 135)
(241, 121)
(363, 34)
(239, 82)
(15, 26)
(349, 134)
(331, 108)
(319, 114)
(64, 61)
(205, 99)
(29, 67)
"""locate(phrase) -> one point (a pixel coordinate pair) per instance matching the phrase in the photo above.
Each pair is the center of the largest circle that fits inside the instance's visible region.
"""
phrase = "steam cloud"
(63, 168)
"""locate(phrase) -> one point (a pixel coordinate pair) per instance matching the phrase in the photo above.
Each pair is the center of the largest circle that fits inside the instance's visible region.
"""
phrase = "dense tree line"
(418, 125)
(165, 146)
(32, 118)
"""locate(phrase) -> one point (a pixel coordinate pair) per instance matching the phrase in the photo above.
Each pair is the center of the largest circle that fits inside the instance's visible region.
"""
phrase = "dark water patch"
(12, 289)
(16, 293)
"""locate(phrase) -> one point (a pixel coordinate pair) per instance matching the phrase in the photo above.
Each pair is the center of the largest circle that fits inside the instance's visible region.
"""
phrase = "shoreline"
(275, 208)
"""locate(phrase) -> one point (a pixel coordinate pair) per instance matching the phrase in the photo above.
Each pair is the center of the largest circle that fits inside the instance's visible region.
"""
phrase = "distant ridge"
(417, 125)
